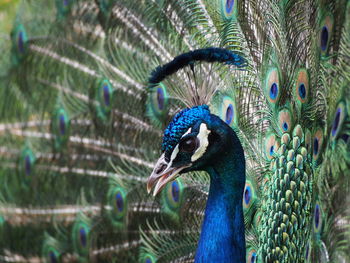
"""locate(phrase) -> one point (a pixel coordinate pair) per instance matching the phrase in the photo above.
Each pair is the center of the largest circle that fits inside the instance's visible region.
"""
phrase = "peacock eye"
(189, 145)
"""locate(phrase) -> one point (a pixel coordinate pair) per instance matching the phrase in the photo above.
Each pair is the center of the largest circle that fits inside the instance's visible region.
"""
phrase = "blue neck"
(222, 238)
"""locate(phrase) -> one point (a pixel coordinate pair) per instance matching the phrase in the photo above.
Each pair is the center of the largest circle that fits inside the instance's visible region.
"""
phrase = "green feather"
(80, 131)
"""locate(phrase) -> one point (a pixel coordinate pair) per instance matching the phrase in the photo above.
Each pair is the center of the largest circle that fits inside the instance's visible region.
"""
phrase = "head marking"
(180, 124)
(203, 142)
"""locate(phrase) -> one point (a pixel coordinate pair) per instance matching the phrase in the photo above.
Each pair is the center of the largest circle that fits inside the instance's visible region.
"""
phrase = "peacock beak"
(162, 174)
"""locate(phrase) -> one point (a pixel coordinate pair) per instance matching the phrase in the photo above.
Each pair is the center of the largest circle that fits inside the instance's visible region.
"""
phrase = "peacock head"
(194, 139)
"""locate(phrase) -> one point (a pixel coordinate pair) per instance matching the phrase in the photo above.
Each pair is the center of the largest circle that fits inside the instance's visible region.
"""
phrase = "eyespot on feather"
(338, 120)
(102, 101)
(257, 218)
(81, 235)
(317, 144)
(271, 145)
(307, 251)
(21, 39)
(51, 250)
(60, 128)
(26, 165)
(308, 144)
(229, 9)
(249, 195)
(285, 120)
(148, 258)
(52, 256)
(157, 103)
(19, 43)
(317, 218)
(272, 85)
(228, 112)
(104, 97)
(28, 162)
(252, 256)
(301, 89)
(325, 33)
(173, 195)
(117, 199)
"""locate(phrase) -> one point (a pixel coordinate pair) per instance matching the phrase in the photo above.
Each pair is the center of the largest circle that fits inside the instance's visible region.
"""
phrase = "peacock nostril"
(161, 168)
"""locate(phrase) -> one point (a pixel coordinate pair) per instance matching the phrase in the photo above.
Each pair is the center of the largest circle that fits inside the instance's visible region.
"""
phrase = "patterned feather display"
(87, 89)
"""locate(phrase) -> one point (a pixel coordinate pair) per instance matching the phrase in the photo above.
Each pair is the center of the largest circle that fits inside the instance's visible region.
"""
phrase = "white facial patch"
(188, 131)
(176, 150)
(203, 142)
(174, 154)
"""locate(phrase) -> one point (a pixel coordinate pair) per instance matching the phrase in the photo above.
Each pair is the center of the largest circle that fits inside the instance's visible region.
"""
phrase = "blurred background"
(7, 14)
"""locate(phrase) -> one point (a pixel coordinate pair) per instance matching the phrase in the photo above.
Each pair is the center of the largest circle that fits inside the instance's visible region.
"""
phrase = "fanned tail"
(80, 131)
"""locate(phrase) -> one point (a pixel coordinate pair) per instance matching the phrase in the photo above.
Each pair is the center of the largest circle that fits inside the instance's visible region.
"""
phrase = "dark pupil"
(189, 145)
(119, 202)
(317, 216)
(65, 2)
(27, 165)
(82, 235)
(324, 38)
(20, 42)
(160, 98)
(62, 124)
(247, 195)
(307, 252)
(253, 258)
(229, 114)
(175, 191)
(336, 122)
(273, 91)
(302, 91)
(271, 150)
(52, 257)
(106, 95)
(315, 146)
(229, 5)
(285, 126)
(148, 260)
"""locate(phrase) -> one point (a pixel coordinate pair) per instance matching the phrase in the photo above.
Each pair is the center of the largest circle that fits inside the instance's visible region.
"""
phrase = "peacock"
(175, 131)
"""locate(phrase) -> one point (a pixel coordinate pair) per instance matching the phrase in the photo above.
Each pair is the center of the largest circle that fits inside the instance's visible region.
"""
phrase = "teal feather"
(51, 250)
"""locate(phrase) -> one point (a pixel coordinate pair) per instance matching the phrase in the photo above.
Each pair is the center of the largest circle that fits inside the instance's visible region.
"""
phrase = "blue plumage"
(221, 155)
(324, 38)
(80, 133)
(222, 237)
(273, 91)
(211, 55)
(229, 5)
(180, 124)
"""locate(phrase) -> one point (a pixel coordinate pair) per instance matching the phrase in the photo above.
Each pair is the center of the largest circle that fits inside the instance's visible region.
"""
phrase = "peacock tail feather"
(87, 89)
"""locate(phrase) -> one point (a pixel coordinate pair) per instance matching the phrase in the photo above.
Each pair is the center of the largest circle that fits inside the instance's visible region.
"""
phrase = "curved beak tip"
(163, 173)
(160, 180)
